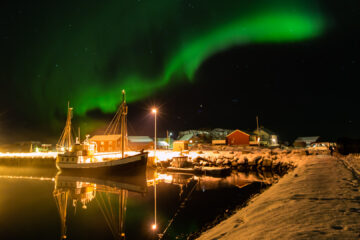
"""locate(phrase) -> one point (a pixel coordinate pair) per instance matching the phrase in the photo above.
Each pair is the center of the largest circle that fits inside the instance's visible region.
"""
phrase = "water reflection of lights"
(165, 178)
(29, 155)
(160, 178)
(28, 178)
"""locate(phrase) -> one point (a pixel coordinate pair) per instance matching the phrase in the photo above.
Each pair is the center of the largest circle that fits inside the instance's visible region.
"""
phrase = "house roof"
(237, 130)
(265, 130)
(165, 139)
(307, 139)
(162, 144)
(186, 137)
(113, 137)
(139, 139)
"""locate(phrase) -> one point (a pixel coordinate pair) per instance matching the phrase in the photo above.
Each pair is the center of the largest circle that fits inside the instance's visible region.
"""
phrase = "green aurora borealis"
(88, 54)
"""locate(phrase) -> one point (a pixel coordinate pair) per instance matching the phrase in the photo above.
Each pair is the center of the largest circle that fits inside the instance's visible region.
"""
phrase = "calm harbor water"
(42, 204)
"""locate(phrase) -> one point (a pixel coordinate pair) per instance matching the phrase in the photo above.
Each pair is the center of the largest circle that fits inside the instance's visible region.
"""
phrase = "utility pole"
(167, 138)
(258, 133)
(79, 135)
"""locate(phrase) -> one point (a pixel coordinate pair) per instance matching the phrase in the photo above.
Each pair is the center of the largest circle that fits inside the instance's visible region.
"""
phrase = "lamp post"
(154, 111)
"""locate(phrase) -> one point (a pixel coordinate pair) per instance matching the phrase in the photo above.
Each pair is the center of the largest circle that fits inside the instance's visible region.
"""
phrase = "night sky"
(205, 64)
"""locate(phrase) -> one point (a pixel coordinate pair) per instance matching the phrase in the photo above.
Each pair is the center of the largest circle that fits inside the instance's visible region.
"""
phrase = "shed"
(267, 137)
(191, 138)
(218, 142)
(305, 141)
(238, 137)
(180, 145)
(164, 143)
(137, 143)
(186, 137)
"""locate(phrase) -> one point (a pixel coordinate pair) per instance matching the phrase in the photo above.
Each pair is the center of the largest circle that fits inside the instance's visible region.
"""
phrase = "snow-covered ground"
(320, 199)
(352, 161)
(233, 154)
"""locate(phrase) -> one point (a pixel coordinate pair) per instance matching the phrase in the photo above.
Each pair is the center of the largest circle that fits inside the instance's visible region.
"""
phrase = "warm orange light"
(154, 110)
(153, 226)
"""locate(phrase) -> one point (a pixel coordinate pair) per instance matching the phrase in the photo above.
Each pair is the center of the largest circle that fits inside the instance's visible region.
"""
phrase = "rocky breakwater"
(260, 159)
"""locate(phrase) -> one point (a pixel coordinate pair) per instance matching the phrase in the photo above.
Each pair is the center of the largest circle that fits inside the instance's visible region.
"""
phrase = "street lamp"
(153, 226)
(154, 111)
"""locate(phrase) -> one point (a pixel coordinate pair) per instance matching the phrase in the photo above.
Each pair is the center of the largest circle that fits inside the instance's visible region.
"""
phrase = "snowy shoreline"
(240, 158)
(320, 199)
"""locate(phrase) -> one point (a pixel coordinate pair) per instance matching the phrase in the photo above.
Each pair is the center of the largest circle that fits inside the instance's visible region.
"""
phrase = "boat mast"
(123, 124)
(66, 139)
(68, 124)
(119, 121)
(61, 199)
(113, 207)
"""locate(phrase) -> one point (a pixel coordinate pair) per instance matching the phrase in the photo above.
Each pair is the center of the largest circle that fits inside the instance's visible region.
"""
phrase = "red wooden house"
(238, 137)
(107, 143)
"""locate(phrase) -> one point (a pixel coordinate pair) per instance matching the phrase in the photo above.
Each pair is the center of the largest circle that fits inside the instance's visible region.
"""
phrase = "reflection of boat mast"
(110, 193)
(66, 139)
(61, 198)
(106, 204)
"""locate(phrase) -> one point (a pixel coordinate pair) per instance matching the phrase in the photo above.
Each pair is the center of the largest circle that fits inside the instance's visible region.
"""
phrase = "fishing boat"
(83, 157)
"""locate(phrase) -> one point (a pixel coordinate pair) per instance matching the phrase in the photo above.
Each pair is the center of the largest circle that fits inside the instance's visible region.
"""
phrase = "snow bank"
(352, 161)
(320, 199)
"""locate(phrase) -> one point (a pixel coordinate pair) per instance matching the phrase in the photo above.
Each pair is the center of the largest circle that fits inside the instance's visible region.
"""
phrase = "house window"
(110, 149)
(110, 142)
(102, 143)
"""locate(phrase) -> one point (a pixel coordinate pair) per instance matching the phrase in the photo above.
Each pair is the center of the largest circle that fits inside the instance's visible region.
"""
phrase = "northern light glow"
(143, 46)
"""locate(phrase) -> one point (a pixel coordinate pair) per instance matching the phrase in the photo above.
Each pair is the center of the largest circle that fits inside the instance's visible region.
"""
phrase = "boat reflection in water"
(154, 205)
(109, 193)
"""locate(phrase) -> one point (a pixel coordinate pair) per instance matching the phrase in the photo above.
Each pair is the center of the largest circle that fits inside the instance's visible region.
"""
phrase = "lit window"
(102, 143)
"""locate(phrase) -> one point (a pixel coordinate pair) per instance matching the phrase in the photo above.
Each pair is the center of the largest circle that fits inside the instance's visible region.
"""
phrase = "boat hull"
(131, 165)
